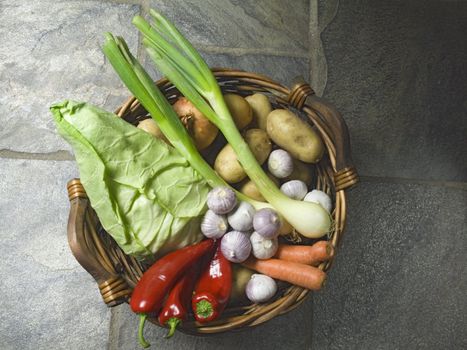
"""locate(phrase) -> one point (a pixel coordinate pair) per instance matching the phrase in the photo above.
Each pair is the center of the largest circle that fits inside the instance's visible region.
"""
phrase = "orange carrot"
(308, 255)
(302, 275)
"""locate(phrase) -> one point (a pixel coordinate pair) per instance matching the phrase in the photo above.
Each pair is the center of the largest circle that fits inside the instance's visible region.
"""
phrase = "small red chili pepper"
(156, 282)
(177, 304)
(213, 289)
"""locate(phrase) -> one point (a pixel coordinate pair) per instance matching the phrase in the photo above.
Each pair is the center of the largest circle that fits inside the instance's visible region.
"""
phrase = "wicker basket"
(117, 273)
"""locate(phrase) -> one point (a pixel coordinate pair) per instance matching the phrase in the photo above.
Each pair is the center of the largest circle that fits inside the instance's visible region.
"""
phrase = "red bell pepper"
(177, 304)
(156, 282)
(213, 289)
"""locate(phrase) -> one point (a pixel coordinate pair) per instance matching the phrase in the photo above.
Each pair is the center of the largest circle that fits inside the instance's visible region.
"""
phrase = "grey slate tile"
(48, 301)
(241, 24)
(400, 277)
(397, 71)
(290, 331)
(51, 51)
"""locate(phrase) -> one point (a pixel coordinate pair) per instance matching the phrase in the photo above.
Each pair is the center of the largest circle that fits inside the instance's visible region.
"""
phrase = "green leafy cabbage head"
(146, 195)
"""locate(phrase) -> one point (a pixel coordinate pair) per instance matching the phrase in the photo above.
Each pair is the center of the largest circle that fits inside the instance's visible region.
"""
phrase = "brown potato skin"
(294, 135)
(261, 107)
(301, 171)
(226, 163)
(240, 110)
(249, 188)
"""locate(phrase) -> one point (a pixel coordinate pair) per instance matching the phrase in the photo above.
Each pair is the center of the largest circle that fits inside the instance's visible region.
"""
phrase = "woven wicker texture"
(116, 274)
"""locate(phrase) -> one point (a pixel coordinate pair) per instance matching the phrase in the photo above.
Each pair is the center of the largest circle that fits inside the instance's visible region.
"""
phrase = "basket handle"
(302, 94)
(86, 246)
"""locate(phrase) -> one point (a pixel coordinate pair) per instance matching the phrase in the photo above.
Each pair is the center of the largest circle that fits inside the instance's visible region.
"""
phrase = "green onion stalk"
(179, 61)
(143, 88)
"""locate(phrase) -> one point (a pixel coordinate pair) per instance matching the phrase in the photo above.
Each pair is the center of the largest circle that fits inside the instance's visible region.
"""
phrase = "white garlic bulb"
(241, 218)
(280, 163)
(263, 248)
(294, 189)
(320, 197)
(260, 288)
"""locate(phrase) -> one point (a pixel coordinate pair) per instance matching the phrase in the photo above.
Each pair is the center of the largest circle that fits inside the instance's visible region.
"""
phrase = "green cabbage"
(146, 195)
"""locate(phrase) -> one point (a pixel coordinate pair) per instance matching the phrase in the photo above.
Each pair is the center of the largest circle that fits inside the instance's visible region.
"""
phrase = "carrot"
(302, 275)
(308, 255)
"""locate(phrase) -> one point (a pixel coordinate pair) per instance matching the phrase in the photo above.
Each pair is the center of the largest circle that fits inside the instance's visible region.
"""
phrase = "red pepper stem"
(142, 341)
(204, 309)
(173, 322)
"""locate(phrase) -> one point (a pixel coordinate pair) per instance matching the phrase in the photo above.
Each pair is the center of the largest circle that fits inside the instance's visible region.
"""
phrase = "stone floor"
(395, 69)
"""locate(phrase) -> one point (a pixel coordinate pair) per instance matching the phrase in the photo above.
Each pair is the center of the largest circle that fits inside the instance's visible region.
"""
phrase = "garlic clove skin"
(267, 223)
(221, 200)
(260, 288)
(263, 248)
(214, 225)
(294, 189)
(236, 246)
(319, 197)
(241, 218)
(280, 163)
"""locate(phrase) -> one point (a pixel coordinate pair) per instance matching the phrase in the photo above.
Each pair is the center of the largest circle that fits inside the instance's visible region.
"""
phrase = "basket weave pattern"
(116, 273)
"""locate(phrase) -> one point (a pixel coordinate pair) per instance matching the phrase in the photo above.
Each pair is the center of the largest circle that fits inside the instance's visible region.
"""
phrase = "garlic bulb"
(241, 218)
(263, 248)
(280, 163)
(213, 225)
(320, 197)
(295, 189)
(236, 246)
(260, 288)
(267, 223)
(221, 200)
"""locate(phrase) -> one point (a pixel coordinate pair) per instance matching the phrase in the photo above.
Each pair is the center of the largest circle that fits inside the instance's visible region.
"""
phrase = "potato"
(301, 171)
(261, 107)
(150, 126)
(240, 278)
(249, 189)
(226, 163)
(240, 110)
(294, 135)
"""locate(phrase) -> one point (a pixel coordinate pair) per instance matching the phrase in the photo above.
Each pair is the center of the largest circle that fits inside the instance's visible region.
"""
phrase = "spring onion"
(179, 61)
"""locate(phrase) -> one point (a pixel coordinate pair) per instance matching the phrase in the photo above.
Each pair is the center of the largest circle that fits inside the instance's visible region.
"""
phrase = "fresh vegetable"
(308, 255)
(214, 225)
(149, 293)
(280, 163)
(260, 288)
(147, 196)
(267, 223)
(227, 164)
(239, 109)
(321, 198)
(184, 67)
(241, 218)
(213, 289)
(295, 189)
(302, 275)
(241, 276)
(199, 127)
(294, 135)
(150, 126)
(261, 107)
(301, 171)
(176, 306)
(236, 246)
(263, 248)
(249, 188)
(221, 200)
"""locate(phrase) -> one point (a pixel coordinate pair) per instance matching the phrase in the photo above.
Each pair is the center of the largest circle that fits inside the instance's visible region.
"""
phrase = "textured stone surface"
(397, 70)
(400, 277)
(48, 300)
(281, 69)
(51, 51)
(246, 24)
(290, 331)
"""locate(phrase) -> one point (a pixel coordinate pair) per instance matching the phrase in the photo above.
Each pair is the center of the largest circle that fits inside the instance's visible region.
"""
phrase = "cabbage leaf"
(144, 192)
